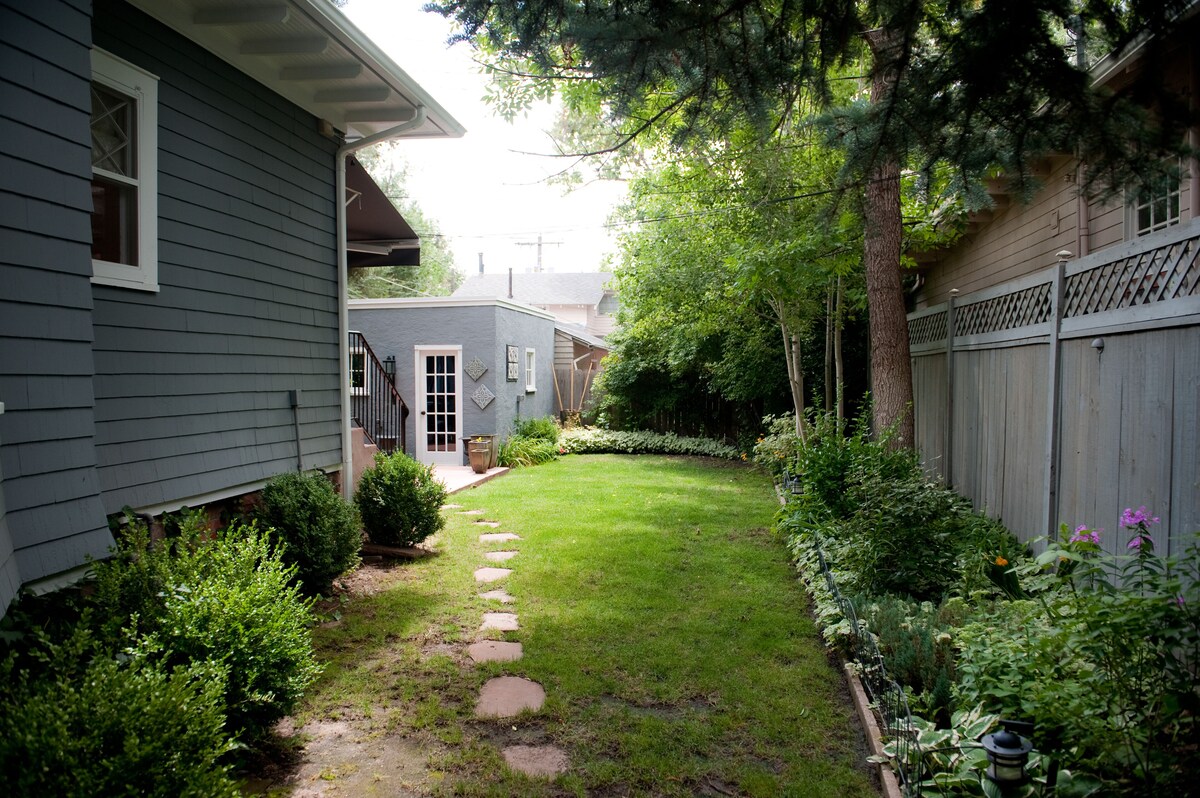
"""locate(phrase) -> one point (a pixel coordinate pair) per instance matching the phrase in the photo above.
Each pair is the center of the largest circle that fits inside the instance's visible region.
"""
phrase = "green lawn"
(656, 608)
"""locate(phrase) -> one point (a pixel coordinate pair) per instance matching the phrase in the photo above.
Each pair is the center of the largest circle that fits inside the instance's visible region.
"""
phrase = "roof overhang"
(311, 54)
(376, 233)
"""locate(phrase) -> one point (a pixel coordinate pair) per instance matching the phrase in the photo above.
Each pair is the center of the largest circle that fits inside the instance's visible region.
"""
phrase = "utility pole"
(539, 244)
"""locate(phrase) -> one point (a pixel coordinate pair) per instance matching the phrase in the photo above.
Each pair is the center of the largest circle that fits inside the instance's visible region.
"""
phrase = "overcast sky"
(485, 196)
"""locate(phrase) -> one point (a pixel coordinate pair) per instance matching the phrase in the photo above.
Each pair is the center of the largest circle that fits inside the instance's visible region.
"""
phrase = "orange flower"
(1001, 561)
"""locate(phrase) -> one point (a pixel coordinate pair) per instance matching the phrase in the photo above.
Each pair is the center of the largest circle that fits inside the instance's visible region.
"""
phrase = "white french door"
(439, 420)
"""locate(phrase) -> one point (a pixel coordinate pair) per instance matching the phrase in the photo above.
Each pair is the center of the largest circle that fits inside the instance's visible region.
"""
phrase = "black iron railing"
(375, 404)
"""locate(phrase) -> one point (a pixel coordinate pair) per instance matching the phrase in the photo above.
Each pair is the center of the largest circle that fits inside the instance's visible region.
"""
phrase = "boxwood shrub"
(88, 725)
(319, 530)
(399, 500)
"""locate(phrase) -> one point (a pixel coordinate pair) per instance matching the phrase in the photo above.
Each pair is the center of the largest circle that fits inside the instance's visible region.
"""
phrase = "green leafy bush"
(1104, 663)
(838, 467)
(778, 449)
(543, 428)
(235, 605)
(319, 531)
(399, 500)
(593, 440)
(130, 586)
(87, 725)
(522, 451)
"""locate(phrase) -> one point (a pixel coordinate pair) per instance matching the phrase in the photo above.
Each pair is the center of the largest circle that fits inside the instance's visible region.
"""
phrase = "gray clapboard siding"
(51, 503)
(192, 382)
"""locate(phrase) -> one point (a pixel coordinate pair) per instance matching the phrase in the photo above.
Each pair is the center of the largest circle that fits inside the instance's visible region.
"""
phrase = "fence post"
(1054, 389)
(948, 454)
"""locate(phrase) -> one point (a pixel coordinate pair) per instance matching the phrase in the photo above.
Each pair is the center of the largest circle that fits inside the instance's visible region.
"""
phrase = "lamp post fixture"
(1007, 753)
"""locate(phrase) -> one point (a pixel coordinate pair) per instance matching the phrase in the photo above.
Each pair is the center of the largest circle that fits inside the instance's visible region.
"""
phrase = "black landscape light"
(1007, 753)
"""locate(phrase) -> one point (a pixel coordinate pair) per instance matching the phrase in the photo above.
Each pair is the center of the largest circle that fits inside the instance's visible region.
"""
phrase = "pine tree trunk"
(891, 368)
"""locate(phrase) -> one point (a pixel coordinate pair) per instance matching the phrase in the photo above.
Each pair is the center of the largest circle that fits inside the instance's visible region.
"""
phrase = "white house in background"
(583, 299)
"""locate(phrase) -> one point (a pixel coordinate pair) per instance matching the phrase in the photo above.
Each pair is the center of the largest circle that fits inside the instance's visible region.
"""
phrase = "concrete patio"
(457, 478)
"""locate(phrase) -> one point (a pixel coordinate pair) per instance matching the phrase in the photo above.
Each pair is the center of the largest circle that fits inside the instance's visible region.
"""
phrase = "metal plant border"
(887, 696)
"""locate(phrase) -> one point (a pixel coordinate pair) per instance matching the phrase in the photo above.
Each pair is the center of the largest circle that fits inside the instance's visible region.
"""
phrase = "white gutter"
(343, 279)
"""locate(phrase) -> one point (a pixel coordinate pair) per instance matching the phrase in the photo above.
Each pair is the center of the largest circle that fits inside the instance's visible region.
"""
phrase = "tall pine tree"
(983, 85)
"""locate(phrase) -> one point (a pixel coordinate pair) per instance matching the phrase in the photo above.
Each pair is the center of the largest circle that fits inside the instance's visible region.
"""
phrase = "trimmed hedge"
(592, 440)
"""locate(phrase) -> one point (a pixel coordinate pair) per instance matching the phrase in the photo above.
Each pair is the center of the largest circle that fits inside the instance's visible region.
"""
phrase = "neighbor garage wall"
(483, 330)
(51, 495)
(192, 382)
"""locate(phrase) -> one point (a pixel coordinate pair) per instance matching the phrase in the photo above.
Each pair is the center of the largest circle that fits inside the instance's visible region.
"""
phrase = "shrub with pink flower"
(1139, 522)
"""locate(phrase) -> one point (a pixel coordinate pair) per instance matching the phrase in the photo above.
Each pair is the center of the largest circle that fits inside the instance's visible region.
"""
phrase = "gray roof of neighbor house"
(539, 288)
(581, 335)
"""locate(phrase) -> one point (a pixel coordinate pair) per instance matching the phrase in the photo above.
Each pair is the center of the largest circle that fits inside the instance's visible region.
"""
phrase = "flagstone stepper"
(471, 512)
(498, 595)
(491, 574)
(536, 760)
(502, 621)
(508, 696)
(498, 537)
(500, 556)
(492, 524)
(495, 651)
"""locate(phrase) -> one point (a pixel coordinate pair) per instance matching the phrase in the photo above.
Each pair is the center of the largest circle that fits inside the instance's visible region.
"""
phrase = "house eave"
(311, 54)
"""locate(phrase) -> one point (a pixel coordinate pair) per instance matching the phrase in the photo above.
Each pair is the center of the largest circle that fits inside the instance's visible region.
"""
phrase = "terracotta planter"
(479, 455)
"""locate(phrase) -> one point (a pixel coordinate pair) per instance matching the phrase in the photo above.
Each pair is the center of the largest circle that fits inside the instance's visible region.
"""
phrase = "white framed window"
(1151, 211)
(124, 129)
(358, 374)
(530, 370)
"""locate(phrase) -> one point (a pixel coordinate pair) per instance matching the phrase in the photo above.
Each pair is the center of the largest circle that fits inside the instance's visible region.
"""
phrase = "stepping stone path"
(494, 651)
(509, 696)
(503, 621)
(452, 506)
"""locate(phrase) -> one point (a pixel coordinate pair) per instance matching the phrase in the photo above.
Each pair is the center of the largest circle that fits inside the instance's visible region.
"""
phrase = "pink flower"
(1141, 540)
(1137, 517)
(1085, 535)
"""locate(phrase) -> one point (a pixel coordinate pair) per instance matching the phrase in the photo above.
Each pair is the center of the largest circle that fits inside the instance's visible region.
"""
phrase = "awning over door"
(376, 233)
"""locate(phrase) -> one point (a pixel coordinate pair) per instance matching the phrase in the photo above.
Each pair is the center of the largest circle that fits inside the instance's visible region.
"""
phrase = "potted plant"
(479, 453)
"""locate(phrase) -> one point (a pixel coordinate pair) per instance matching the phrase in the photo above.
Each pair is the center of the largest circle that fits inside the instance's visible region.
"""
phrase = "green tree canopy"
(436, 276)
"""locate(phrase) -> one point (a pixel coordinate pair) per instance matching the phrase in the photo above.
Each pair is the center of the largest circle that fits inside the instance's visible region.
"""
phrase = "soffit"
(311, 54)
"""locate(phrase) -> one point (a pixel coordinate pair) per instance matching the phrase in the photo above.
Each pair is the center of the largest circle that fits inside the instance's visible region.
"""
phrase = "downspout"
(346, 149)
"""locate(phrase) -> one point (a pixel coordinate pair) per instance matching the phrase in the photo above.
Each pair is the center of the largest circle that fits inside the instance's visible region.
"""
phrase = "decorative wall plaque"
(475, 369)
(513, 369)
(483, 397)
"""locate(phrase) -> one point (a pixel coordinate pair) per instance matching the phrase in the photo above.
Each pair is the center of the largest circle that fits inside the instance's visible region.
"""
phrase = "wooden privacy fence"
(573, 388)
(1069, 394)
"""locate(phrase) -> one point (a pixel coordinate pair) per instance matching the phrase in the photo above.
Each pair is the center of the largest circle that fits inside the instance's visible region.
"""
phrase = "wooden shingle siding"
(192, 382)
(51, 517)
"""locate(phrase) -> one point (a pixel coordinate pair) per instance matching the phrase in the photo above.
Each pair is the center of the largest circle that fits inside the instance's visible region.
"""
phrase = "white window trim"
(132, 80)
(530, 370)
(365, 388)
(1131, 212)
